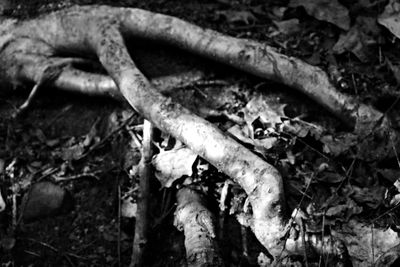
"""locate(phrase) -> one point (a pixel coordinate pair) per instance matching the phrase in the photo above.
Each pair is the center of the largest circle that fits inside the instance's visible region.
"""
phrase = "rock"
(45, 199)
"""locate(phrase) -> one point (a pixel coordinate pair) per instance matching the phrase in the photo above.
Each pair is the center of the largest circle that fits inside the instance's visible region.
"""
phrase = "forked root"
(260, 180)
(100, 31)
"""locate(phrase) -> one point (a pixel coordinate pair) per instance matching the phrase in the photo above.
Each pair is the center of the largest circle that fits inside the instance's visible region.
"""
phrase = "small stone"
(45, 199)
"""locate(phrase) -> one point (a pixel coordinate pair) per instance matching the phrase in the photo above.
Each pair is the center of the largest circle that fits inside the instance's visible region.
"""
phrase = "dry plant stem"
(142, 218)
(197, 223)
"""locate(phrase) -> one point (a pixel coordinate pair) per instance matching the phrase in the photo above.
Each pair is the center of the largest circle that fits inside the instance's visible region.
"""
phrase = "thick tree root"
(28, 49)
(93, 84)
(98, 31)
(250, 56)
(197, 222)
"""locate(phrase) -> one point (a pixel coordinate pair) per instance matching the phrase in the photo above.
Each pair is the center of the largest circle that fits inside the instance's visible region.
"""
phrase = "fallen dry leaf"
(390, 17)
(336, 145)
(260, 145)
(343, 212)
(330, 177)
(326, 10)
(128, 208)
(288, 27)
(277, 12)
(365, 243)
(359, 39)
(260, 107)
(245, 17)
(371, 197)
(173, 164)
(73, 152)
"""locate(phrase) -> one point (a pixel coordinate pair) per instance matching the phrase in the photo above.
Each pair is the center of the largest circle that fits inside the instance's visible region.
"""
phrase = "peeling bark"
(197, 223)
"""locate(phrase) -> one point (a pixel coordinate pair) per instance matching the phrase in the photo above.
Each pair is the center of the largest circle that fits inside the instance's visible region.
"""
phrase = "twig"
(66, 255)
(10, 172)
(141, 225)
(77, 176)
(134, 136)
(222, 208)
(44, 175)
(58, 116)
(303, 234)
(245, 244)
(119, 226)
(294, 215)
(395, 151)
(372, 243)
(28, 101)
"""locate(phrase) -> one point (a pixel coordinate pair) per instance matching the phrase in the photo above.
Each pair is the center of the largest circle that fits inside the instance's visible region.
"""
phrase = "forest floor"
(334, 184)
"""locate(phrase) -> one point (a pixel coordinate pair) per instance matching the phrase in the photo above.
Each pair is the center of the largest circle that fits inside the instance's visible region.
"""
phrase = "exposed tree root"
(197, 222)
(78, 81)
(250, 56)
(48, 46)
(97, 30)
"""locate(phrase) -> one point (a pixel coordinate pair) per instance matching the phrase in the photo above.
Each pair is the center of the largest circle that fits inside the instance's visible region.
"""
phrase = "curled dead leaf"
(326, 10)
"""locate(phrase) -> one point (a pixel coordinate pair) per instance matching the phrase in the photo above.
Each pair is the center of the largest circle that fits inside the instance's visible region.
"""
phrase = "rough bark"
(197, 223)
(250, 56)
